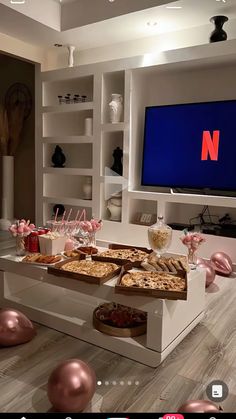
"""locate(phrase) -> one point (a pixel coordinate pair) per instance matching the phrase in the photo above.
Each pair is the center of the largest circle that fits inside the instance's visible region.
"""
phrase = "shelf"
(49, 203)
(68, 201)
(109, 127)
(71, 123)
(83, 106)
(113, 82)
(117, 180)
(73, 86)
(68, 171)
(68, 139)
(79, 157)
(220, 201)
(64, 185)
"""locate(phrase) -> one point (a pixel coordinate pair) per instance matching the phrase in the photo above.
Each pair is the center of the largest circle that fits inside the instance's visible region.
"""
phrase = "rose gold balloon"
(71, 386)
(199, 406)
(200, 260)
(15, 328)
(222, 263)
(210, 272)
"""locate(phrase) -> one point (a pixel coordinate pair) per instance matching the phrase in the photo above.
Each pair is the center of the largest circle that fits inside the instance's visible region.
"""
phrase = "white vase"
(114, 206)
(88, 125)
(87, 188)
(7, 192)
(116, 108)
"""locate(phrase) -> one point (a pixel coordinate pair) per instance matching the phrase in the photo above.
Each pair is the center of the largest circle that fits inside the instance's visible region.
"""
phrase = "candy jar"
(159, 236)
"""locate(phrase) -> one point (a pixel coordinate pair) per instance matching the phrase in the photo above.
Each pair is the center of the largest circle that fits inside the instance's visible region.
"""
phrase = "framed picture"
(144, 218)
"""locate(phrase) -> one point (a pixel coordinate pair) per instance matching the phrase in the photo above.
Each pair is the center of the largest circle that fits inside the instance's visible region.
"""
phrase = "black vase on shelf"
(218, 34)
(58, 157)
(117, 166)
(60, 208)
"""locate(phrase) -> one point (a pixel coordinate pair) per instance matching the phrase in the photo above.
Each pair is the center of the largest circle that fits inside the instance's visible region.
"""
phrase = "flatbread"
(133, 255)
(90, 268)
(153, 280)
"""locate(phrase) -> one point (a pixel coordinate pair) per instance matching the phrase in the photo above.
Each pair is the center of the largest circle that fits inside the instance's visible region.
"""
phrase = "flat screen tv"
(191, 146)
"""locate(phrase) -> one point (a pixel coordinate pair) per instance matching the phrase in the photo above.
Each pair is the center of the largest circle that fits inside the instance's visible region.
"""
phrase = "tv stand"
(204, 192)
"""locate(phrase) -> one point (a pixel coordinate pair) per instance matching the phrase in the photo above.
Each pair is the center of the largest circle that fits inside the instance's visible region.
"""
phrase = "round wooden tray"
(119, 331)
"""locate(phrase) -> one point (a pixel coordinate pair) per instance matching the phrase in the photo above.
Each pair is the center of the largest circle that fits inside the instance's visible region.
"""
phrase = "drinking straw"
(81, 215)
(77, 215)
(68, 218)
(55, 219)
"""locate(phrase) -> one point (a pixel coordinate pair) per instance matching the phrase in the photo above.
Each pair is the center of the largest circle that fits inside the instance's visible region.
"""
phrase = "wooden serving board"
(162, 294)
(57, 271)
(118, 261)
(126, 332)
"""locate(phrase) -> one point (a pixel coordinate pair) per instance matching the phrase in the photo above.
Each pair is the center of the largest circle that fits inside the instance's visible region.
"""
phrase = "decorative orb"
(222, 263)
(210, 272)
(15, 328)
(199, 406)
(71, 386)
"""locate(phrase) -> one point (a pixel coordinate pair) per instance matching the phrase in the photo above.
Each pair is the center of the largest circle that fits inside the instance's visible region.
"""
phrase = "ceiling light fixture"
(111, 1)
(223, 1)
(174, 7)
(17, 1)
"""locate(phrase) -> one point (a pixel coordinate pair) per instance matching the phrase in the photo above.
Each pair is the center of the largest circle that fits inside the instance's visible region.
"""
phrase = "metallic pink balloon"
(222, 263)
(71, 386)
(210, 272)
(15, 328)
(199, 406)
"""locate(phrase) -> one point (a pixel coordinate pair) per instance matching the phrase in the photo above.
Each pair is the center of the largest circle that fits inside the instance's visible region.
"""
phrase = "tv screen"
(190, 146)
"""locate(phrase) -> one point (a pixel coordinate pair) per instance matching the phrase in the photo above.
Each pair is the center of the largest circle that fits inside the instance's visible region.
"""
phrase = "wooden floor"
(207, 353)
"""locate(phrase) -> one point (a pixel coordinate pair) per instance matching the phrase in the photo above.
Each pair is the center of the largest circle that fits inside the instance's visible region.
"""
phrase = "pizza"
(132, 254)
(166, 264)
(90, 268)
(153, 280)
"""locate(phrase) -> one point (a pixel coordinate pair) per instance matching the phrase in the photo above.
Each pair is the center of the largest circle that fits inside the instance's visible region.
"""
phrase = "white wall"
(23, 50)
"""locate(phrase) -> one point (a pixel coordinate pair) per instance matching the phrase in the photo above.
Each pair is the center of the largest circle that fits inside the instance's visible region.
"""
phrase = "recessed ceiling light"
(223, 1)
(151, 24)
(111, 1)
(17, 1)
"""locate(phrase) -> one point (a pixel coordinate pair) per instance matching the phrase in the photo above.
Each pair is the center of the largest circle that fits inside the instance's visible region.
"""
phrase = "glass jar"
(159, 236)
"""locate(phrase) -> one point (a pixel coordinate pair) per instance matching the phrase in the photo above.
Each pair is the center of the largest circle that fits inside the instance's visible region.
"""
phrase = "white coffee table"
(67, 305)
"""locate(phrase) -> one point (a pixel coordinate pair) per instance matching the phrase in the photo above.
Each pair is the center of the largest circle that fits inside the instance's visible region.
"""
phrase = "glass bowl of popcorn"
(159, 236)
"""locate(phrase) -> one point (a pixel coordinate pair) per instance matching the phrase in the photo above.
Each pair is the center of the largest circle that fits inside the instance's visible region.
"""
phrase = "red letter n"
(210, 145)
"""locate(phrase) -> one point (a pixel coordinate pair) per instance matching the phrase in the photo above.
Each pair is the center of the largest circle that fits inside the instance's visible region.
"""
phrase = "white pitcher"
(116, 108)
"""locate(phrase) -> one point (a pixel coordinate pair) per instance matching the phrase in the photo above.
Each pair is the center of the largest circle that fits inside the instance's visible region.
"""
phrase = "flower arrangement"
(192, 241)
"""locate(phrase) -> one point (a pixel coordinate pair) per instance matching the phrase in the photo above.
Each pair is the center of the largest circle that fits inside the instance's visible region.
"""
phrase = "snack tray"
(56, 270)
(162, 294)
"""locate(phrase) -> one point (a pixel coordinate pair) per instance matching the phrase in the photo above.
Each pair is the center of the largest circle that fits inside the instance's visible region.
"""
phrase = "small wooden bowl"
(125, 332)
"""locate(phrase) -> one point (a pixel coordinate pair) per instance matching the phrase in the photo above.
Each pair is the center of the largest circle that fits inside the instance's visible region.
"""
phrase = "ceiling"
(95, 23)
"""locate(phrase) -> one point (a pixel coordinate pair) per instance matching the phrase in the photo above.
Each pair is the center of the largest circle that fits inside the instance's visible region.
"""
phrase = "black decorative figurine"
(218, 34)
(58, 158)
(60, 208)
(117, 165)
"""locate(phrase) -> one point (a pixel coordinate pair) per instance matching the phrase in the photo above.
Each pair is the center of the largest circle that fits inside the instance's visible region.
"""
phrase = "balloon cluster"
(219, 263)
(91, 226)
(21, 228)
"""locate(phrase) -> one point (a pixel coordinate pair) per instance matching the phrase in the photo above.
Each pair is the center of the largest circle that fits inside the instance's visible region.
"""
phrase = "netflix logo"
(210, 145)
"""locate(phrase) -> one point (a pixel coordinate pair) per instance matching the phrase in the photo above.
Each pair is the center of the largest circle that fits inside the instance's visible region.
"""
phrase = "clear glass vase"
(20, 246)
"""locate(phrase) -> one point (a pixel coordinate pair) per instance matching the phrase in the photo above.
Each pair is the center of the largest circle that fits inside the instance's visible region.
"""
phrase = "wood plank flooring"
(207, 353)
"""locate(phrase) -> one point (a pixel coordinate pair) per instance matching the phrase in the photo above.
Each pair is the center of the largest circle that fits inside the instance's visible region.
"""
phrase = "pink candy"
(192, 240)
(21, 228)
(91, 226)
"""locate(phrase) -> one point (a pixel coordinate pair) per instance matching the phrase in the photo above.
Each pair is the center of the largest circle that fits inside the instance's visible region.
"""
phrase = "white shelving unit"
(194, 74)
